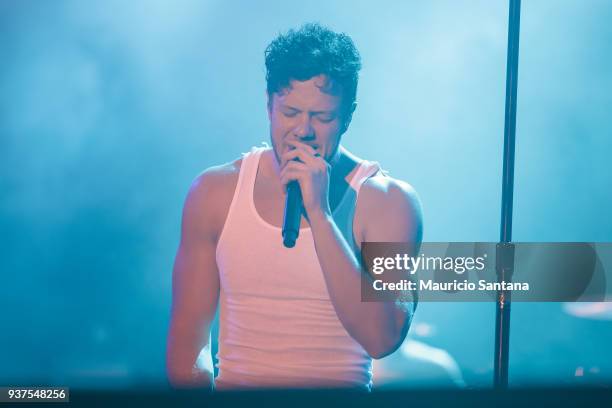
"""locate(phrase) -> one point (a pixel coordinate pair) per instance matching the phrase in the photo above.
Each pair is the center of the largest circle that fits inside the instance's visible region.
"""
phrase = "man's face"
(309, 111)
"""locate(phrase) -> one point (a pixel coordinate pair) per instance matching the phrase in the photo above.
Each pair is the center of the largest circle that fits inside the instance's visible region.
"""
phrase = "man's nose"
(304, 129)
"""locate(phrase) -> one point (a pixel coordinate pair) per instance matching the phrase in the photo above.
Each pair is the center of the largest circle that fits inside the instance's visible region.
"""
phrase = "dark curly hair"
(309, 51)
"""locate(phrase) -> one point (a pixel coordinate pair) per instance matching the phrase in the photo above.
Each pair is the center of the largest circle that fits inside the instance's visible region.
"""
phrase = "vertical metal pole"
(505, 251)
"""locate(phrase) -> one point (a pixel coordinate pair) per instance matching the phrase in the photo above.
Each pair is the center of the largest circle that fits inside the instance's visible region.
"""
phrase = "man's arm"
(195, 281)
(390, 212)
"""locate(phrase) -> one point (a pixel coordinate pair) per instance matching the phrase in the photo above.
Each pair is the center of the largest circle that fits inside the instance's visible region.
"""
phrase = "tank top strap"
(366, 169)
(345, 212)
(248, 172)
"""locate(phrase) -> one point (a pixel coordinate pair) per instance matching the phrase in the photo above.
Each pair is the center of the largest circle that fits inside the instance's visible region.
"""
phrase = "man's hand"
(311, 172)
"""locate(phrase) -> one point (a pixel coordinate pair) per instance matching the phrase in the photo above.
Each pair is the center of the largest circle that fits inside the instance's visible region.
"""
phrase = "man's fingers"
(300, 154)
(295, 165)
(302, 146)
(294, 168)
(291, 174)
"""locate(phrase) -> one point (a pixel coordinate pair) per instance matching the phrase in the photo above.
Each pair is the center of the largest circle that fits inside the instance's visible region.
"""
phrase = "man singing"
(291, 317)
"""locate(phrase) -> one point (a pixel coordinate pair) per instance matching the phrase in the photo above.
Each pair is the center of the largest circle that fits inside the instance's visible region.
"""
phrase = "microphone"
(293, 214)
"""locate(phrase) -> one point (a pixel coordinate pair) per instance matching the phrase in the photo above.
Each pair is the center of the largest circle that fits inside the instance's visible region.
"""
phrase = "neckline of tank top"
(359, 166)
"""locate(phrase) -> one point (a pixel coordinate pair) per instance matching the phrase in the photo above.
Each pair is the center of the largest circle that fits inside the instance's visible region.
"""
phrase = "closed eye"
(325, 118)
(289, 111)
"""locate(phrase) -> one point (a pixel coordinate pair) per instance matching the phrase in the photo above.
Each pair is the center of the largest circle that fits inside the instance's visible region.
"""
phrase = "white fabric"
(278, 327)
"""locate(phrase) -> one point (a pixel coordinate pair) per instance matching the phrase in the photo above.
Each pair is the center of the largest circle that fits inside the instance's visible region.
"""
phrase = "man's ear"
(348, 117)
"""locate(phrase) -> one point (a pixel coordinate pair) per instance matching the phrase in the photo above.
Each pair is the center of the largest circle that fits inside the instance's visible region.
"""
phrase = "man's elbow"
(389, 340)
(384, 346)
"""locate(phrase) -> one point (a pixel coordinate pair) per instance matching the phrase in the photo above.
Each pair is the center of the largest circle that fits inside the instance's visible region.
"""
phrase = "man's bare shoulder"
(384, 190)
(216, 179)
(387, 203)
(210, 196)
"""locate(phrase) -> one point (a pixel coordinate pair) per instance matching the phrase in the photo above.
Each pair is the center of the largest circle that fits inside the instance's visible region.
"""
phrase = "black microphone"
(293, 214)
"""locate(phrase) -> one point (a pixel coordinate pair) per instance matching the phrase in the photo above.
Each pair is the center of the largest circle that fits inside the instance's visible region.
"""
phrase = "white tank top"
(277, 325)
